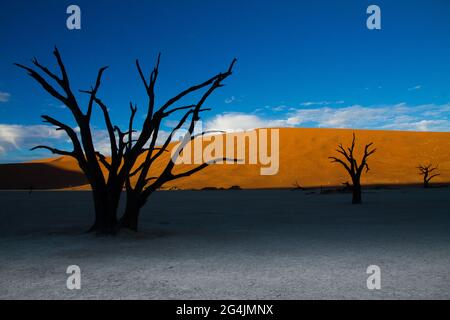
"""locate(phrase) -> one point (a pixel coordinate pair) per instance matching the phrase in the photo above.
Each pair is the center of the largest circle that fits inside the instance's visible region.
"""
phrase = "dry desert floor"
(240, 244)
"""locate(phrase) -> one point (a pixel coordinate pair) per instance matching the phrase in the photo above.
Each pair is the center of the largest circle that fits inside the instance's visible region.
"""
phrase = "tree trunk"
(425, 183)
(105, 204)
(130, 218)
(357, 197)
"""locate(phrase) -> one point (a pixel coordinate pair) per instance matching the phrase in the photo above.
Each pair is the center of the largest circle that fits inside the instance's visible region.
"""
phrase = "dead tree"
(106, 192)
(146, 183)
(125, 150)
(297, 186)
(354, 169)
(427, 171)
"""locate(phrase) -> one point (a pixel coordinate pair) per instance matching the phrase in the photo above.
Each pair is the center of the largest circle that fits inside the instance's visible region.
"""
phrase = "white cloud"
(396, 117)
(4, 96)
(230, 100)
(101, 141)
(17, 140)
(354, 116)
(429, 117)
(240, 122)
(418, 87)
(420, 125)
(103, 144)
(23, 137)
(15, 136)
(279, 108)
(393, 117)
(162, 137)
(320, 103)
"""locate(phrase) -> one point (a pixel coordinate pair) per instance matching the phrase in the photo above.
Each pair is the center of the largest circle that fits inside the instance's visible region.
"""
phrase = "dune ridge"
(303, 159)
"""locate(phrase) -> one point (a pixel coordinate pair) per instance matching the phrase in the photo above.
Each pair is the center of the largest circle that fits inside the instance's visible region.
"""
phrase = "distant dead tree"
(427, 171)
(125, 149)
(354, 169)
(297, 186)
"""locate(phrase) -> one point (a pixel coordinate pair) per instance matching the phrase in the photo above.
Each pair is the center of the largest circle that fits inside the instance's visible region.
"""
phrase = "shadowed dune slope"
(303, 158)
(38, 176)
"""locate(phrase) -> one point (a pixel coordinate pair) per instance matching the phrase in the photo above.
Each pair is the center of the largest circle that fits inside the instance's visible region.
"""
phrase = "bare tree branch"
(47, 87)
(55, 151)
(103, 160)
(109, 125)
(93, 91)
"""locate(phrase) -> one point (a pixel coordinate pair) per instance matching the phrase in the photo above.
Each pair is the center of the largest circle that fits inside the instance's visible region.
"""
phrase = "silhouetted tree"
(106, 192)
(297, 186)
(125, 150)
(138, 194)
(354, 169)
(427, 173)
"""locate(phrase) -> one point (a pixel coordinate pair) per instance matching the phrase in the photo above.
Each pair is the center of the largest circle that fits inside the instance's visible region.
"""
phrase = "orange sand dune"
(303, 158)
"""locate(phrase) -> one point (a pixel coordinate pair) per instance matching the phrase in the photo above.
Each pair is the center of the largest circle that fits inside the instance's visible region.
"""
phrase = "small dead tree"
(297, 186)
(428, 172)
(125, 150)
(354, 169)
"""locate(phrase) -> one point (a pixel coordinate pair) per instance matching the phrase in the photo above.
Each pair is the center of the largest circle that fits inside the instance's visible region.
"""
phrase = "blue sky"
(300, 63)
